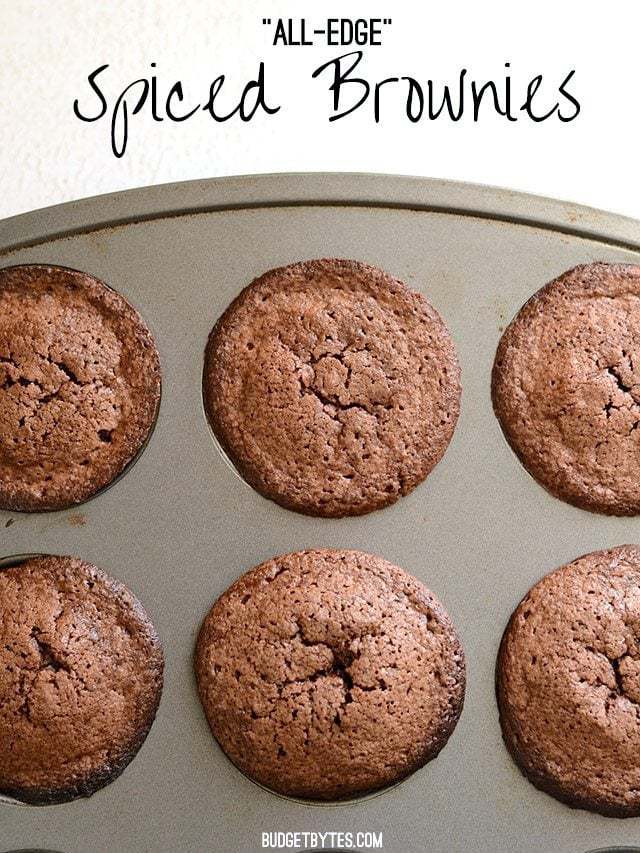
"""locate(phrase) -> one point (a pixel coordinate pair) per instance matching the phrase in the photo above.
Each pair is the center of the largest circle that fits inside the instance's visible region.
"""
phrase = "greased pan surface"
(181, 526)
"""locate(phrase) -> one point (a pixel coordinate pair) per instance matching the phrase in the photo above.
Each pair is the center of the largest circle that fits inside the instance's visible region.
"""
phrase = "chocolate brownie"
(566, 387)
(568, 683)
(332, 386)
(329, 674)
(80, 679)
(79, 386)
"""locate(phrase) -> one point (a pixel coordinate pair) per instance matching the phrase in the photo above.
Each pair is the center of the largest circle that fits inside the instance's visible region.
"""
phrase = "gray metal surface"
(181, 526)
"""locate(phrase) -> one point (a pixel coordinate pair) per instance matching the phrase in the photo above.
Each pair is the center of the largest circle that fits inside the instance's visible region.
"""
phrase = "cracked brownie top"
(568, 680)
(79, 386)
(332, 386)
(328, 674)
(566, 387)
(80, 679)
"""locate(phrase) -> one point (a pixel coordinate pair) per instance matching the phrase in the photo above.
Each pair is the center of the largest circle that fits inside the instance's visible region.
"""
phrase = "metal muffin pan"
(180, 526)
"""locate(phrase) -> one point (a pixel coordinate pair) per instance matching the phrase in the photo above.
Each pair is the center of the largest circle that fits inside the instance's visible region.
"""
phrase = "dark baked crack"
(49, 659)
(615, 373)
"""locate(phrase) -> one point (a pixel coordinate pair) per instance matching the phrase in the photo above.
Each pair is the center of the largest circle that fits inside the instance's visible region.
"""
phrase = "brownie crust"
(329, 674)
(566, 387)
(568, 683)
(79, 386)
(81, 672)
(332, 386)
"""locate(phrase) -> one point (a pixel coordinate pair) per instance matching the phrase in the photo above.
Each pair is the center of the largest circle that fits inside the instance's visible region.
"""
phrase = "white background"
(49, 48)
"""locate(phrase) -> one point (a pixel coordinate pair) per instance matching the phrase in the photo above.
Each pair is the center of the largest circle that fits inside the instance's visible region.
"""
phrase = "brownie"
(566, 387)
(79, 386)
(329, 674)
(568, 683)
(81, 671)
(332, 386)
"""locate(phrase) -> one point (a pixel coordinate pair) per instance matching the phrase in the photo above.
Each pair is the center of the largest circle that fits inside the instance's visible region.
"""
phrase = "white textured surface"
(48, 49)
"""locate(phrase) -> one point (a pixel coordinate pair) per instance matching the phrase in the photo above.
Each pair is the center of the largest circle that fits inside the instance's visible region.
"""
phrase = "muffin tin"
(181, 526)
